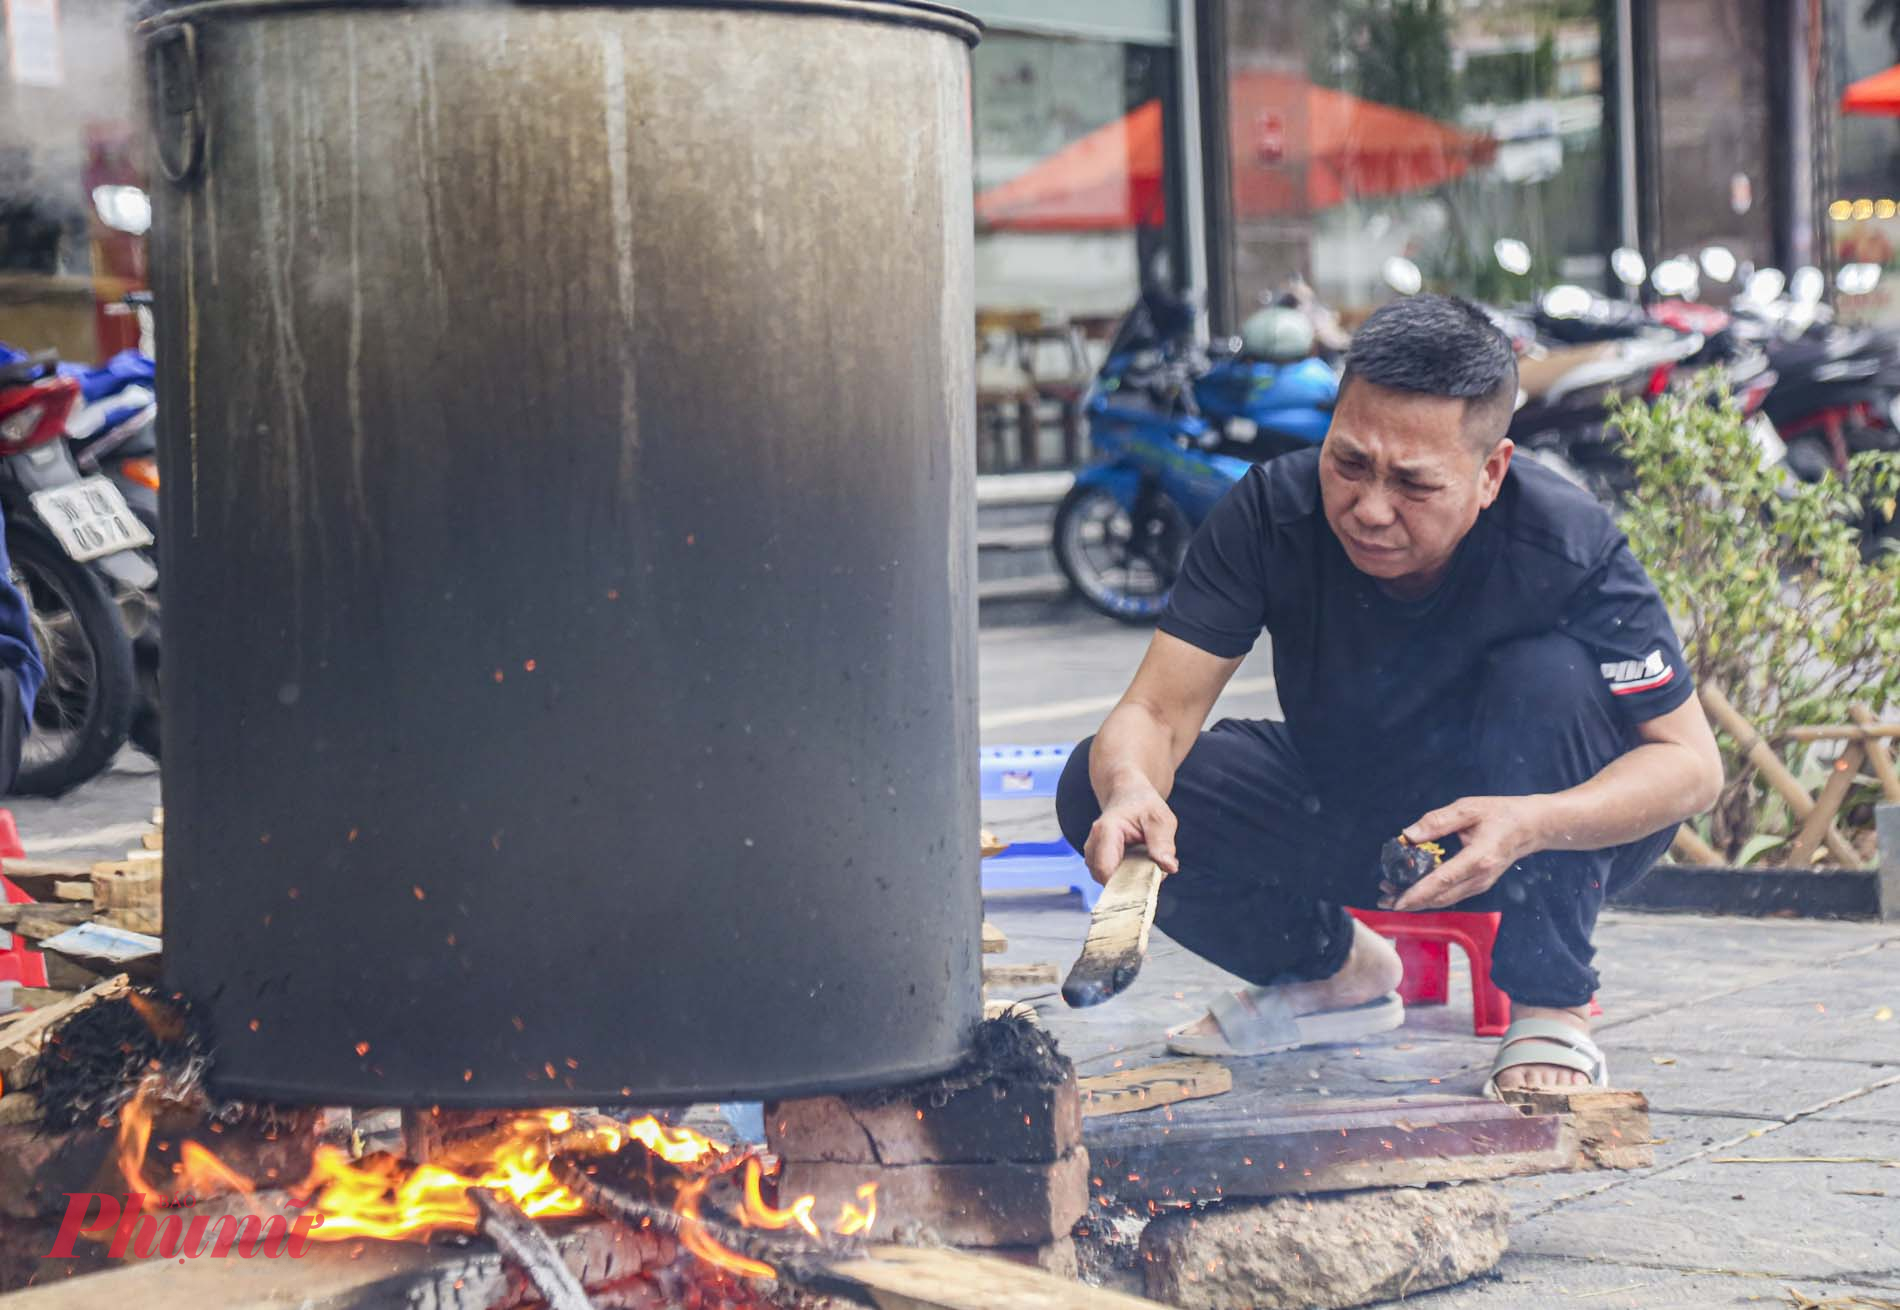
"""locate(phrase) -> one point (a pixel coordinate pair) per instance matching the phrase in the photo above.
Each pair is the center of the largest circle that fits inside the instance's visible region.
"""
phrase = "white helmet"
(1277, 333)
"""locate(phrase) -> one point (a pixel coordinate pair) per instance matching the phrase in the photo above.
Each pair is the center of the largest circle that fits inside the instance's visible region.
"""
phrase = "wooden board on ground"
(39, 878)
(940, 1278)
(1019, 975)
(1605, 1129)
(1153, 1085)
(994, 943)
(1118, 934)
(1322, 1146)
(20, 1036)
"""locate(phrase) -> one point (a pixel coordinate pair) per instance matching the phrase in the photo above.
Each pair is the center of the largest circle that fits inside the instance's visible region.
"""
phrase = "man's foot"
(1372, 969)
(1545, 1076)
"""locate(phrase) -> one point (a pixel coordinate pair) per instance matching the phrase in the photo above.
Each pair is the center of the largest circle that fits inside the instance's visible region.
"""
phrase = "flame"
(380, 1196)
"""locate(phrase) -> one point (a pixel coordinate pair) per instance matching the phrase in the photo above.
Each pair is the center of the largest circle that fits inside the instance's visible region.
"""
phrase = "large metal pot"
(569, 648)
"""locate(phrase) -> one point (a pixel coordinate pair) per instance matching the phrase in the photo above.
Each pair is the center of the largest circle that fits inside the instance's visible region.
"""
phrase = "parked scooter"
(77, 555)
(1173, 427)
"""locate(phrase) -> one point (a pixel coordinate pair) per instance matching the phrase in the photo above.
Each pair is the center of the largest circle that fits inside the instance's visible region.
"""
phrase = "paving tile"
(1722, 1083)
(1530, 1280)
(1678, 1136)
(1881, 1107)
(1785, 1220)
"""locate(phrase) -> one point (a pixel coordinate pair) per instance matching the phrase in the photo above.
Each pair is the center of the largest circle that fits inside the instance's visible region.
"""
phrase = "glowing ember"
(380, 1196)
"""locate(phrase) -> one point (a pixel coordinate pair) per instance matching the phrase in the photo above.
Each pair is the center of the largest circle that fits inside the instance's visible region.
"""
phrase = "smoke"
(44, 134)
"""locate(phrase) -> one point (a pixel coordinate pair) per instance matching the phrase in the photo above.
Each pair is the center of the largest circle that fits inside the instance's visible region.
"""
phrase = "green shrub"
(1764, 576)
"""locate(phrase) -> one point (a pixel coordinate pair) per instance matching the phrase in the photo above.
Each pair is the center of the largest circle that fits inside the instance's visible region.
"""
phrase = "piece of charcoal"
(1405, 863)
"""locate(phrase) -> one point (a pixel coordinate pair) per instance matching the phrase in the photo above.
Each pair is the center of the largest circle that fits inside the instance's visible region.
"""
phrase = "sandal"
(1547, 1041)
(1258, 1021)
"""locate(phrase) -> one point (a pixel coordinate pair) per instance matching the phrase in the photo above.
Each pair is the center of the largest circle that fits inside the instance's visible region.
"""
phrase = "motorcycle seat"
(1535, 377)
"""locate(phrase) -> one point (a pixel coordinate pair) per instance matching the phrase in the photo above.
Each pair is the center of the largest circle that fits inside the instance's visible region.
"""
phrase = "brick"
(993, 1121)
(964, 1204)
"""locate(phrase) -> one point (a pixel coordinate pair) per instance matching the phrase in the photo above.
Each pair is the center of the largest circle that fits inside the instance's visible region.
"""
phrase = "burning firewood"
(521, 1240)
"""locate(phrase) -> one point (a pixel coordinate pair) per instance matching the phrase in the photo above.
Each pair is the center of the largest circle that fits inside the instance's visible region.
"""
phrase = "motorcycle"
(77, 553)
(1174, 426)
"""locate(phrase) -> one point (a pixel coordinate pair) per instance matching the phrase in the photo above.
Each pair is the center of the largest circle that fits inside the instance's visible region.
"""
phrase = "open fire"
(381, 1196)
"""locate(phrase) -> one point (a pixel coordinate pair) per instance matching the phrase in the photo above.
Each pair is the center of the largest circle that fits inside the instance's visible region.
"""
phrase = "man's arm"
(1142, 742)
(1676, 772)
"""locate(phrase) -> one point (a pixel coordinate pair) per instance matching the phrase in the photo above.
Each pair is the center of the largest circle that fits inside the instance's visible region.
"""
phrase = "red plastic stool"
(17, 964)
(1425, 941)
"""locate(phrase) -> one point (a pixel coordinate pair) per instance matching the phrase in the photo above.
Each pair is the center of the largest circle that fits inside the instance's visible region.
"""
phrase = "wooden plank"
(49, 921)
(1118, 934)
(1300, 1148)
(20, 1038)
(1688, 848)
(1773, 771)
(38, 878)
(1606, 1129)
(1153, 1085)
(941, 1278)
(1019, 975)
(1826, 805)
(1877, 758)
(148, 921)
(38, 998)
(44, 912)
(153, 840)
(991, 844)
(994, 943)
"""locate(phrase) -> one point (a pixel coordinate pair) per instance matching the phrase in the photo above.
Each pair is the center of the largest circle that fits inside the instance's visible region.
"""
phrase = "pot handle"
(178, 121)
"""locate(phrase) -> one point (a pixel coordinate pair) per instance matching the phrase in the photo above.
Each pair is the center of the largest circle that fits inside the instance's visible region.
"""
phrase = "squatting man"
(1465, 651)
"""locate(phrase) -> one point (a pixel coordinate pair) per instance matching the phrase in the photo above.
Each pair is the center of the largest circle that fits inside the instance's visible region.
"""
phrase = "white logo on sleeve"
(1627, 677)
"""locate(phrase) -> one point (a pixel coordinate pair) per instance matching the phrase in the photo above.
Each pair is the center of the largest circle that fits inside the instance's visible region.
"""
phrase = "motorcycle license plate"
(90, 518)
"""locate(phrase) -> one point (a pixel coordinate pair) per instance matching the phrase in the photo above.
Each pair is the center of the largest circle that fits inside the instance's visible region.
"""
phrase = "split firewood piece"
(994, 943)
(21, 1036)
(1118, 934)
(884, 1277)
(133, 900)
(530, 1250)
(992, 844)
(1152, 1085)
(40, 879)
(1019, 975)
(1604, 1129)
(38, 998)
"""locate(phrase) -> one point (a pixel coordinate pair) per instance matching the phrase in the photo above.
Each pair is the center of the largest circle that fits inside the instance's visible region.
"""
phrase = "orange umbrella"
(1879, 94)
(1297, 148)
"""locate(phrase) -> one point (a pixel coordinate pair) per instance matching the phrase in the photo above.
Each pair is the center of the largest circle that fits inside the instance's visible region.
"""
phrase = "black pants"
(1267, 867)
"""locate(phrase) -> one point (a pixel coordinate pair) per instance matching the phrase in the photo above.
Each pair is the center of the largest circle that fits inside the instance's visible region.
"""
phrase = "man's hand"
(1134, 817)
(1496, 832)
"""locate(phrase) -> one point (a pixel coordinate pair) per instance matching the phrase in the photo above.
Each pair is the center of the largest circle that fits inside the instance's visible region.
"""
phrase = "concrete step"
(1034, 586)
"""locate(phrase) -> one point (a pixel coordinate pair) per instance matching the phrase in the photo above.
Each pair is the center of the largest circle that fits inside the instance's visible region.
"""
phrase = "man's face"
(1403, 481)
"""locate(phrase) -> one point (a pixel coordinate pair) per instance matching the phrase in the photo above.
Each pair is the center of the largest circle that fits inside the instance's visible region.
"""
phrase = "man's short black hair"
(1440, 346)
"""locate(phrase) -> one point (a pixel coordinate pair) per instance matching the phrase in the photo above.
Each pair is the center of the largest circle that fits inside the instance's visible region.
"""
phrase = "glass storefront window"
(1074, 174)
(1371, 130)
(1863, 224)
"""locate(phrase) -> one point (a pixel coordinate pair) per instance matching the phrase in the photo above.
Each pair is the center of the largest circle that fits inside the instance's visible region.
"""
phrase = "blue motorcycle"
(1173, 427)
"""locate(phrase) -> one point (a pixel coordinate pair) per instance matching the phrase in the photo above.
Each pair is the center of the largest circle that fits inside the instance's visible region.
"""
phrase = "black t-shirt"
(1374, 687)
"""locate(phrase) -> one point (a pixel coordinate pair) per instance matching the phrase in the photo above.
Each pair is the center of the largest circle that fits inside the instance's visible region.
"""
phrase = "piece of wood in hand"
(1152, 1085)
(994, 943)
(40, 878)
(1118, 934)
(1019, 975)
(992, 844)
(1605, 1129)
